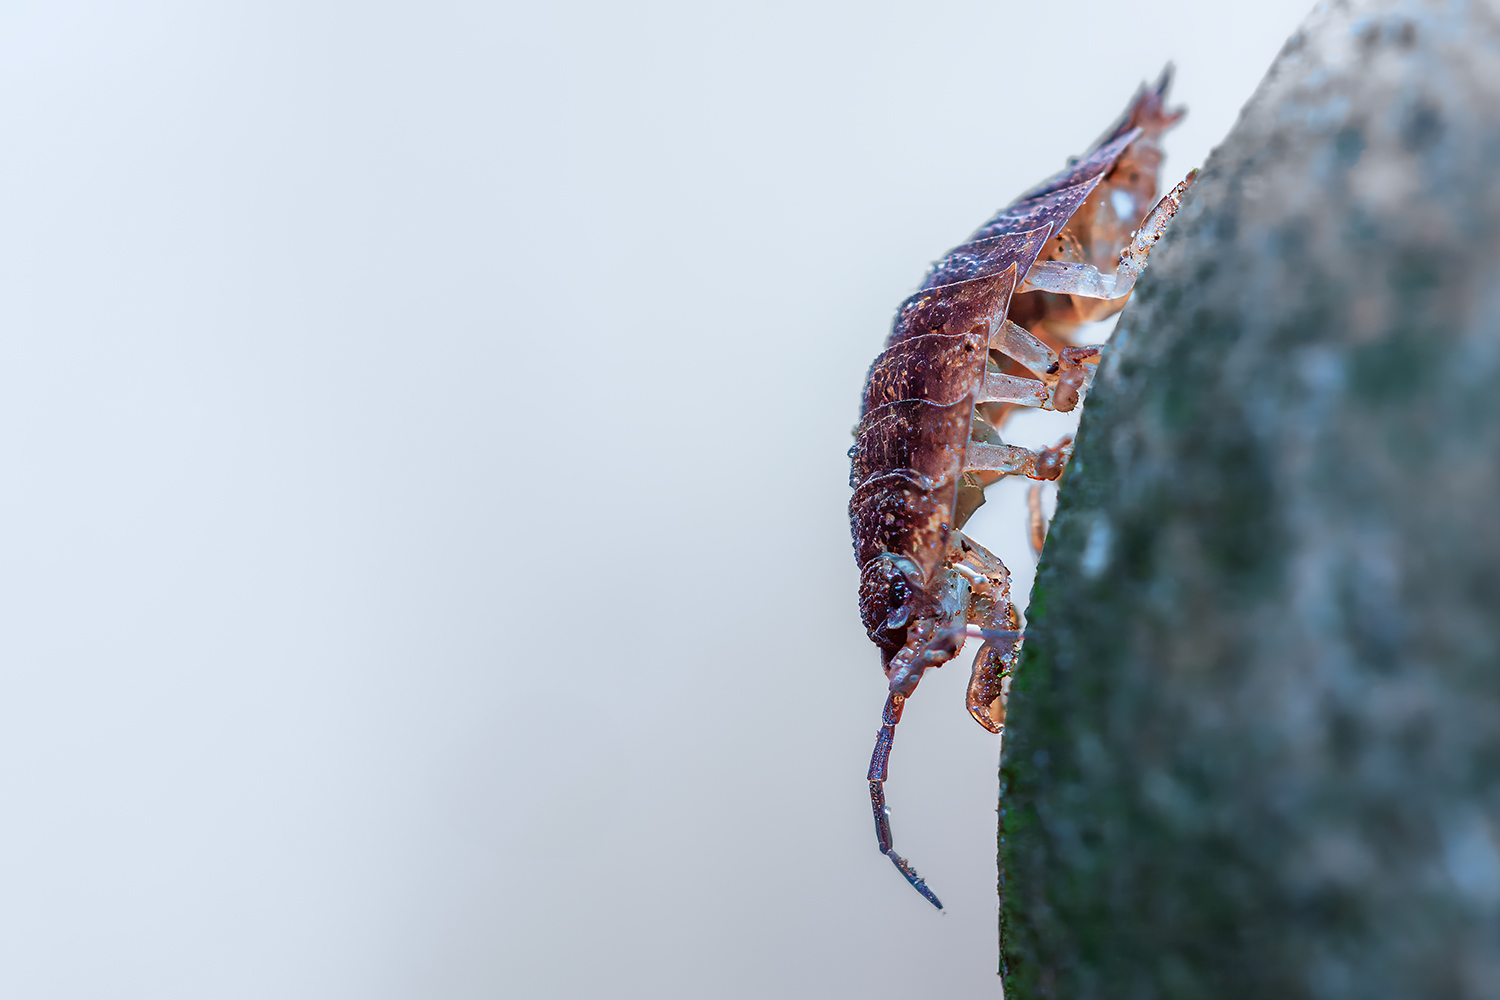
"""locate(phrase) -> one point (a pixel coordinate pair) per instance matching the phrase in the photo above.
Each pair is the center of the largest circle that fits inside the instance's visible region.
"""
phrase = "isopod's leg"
(993, 618)
(879, 770)
(1062, 378)
(1133, 257)
(1027, 350)
(1085, 280)
(1012, 460)
(1038, 519)
(1024, 346)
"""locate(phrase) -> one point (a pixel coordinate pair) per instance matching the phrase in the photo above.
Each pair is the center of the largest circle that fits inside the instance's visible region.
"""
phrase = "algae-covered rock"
(1254, 743)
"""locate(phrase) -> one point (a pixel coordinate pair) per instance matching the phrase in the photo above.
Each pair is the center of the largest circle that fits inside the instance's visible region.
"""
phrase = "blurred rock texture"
(1254, 745)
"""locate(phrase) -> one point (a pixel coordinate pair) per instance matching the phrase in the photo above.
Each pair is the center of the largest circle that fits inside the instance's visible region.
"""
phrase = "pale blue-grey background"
(423, 565)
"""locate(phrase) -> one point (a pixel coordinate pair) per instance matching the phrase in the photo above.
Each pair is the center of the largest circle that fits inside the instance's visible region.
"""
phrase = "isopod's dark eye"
(897, 601)
(887, 600)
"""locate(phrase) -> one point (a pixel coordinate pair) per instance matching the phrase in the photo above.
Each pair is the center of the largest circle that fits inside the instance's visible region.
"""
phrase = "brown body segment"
(913, 435)
(898, 513)
(976, 305)
(989, 256)
(955, 364)
(935, 367)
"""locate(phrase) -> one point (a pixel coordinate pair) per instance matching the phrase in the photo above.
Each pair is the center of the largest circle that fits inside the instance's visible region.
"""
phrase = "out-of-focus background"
(423, 562)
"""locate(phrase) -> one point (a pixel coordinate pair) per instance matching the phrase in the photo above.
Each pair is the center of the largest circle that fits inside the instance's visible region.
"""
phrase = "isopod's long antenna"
(879, 762)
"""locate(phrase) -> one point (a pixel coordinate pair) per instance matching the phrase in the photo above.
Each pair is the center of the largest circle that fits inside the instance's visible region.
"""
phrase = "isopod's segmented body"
(987, 332)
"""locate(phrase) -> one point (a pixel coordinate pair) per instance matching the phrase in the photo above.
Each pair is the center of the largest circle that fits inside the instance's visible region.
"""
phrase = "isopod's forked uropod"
(989, 330)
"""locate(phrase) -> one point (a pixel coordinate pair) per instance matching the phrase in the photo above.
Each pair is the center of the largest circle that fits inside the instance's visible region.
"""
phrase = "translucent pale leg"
(1010, 460)
(1063, 380)
(999, 388)
(1038, 518)
(1084, 279)
(1071, 279)
(1015, 342)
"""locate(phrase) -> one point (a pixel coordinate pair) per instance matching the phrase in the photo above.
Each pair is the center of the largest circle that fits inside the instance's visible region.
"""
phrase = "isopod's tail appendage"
(1164, 82)
(879, 767)
(1147, 111)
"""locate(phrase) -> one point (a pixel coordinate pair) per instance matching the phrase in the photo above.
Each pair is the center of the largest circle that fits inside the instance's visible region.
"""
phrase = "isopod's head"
(906, 619)
(890, 593)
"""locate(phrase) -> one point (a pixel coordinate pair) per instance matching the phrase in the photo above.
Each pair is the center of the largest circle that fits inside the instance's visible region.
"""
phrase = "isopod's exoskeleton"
(987, 332)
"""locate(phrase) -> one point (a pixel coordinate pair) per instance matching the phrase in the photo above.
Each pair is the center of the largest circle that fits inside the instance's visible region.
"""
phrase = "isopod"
(987, 332)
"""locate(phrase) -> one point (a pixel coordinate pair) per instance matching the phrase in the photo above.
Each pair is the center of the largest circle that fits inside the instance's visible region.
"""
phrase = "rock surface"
(1253, 748)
